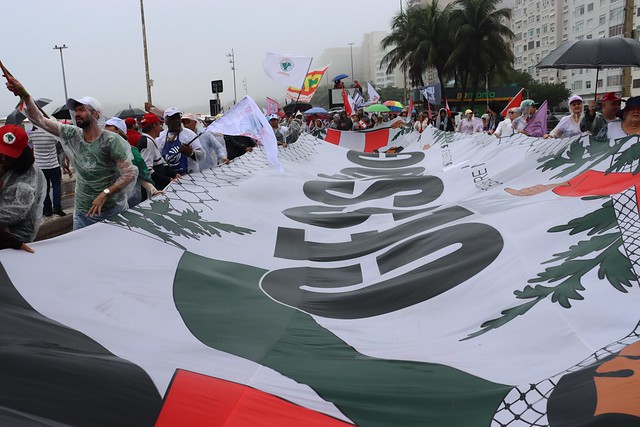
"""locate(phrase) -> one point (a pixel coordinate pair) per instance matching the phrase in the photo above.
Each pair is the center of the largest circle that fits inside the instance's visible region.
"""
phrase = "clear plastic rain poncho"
(21, 198)
(97, 164)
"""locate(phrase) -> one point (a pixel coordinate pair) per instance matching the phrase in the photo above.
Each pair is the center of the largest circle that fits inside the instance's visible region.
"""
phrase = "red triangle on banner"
(197, 400)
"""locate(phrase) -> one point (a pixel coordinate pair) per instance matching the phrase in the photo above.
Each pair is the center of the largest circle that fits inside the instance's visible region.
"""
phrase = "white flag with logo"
(245, 118)
(358, 99)
(373, 95)
(286, 69)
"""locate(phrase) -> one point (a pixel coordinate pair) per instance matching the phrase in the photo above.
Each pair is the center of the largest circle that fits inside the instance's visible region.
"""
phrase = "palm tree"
(403, 39)
(421, 38)
(481, 40)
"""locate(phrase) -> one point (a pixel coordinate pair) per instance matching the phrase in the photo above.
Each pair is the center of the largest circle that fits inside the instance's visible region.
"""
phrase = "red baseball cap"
(149, 119)
(13, 140)
(130, 121)
(611, 97)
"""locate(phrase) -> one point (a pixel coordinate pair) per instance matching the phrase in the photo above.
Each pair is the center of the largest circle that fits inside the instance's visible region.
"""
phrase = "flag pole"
(301, 87)
(6, 74)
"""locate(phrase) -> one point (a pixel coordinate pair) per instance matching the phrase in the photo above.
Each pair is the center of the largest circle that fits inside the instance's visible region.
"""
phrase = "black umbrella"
(16, 116)
(131, 112)
(611, 52)
(293, 107)
(62, 113)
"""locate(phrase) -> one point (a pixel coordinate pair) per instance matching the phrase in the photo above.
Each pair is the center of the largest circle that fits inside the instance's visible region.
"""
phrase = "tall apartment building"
(372, 54)
(339, 61)
(366, 58)
(543, 25)
(537, 28)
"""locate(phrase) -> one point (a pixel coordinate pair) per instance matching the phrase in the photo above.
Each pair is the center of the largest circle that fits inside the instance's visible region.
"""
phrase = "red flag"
(515, 102)
(348, 107)
(410, 112)
(537, 126)
(446, 103)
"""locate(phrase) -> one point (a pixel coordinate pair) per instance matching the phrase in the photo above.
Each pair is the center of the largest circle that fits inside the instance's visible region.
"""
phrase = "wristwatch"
(106, 191)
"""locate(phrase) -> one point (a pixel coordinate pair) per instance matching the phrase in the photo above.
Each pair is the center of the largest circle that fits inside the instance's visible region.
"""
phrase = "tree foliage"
(466, 41)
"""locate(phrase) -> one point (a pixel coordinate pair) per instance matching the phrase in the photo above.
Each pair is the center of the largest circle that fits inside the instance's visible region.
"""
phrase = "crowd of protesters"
(119, 163)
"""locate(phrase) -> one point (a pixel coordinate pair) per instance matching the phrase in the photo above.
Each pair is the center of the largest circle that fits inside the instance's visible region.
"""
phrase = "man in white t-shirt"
(45, 153)
(504, 128)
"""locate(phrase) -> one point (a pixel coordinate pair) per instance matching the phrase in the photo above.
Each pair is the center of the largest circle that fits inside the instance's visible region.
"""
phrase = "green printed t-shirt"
(95, 165)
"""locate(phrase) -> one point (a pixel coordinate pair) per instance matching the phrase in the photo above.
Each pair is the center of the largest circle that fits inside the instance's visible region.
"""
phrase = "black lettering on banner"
(333, 216)
(479, 245)
(429, 187)
(364, 173)
(390, 161)
(291, 243)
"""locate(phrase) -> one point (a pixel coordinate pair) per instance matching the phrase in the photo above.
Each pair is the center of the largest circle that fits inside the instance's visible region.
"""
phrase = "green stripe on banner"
(223, 306)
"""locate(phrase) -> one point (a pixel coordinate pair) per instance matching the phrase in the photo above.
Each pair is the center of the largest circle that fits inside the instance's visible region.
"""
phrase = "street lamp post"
(64, 78)
(351, 52)
(146, 54)
(232, 61)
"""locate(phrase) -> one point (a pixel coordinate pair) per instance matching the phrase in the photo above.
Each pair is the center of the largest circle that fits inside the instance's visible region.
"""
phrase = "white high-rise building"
(339, 61)
(372, 54)
(366, 62)
(538, 30)
(543, 25)
(590, 19)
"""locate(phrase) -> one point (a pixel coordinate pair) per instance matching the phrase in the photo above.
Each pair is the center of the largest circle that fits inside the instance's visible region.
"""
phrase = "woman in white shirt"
(630, 124)
(569, 125)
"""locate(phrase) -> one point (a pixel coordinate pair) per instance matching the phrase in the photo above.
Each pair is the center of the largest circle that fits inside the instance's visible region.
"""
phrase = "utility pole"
(64, 78)
(146, 55)
(232, 61)
(629, 10)
(351, 51)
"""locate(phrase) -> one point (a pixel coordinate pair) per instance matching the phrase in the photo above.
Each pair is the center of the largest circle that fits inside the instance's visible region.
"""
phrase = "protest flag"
(245, 118)
(286, 69)
(309, 86)
(537, 126)
(515, 102)
(348, 102)
(373, 95)
(272, 106)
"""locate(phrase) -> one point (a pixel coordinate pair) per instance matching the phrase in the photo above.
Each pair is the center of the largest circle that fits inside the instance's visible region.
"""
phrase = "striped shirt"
(44, 149)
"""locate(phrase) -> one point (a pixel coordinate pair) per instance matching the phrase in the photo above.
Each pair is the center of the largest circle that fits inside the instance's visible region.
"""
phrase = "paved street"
(56, 225)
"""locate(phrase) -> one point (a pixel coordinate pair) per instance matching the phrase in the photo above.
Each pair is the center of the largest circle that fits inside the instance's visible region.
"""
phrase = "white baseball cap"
(575, 98)
(118, 123)
(72, 103)
(171, 111)
(273, 116)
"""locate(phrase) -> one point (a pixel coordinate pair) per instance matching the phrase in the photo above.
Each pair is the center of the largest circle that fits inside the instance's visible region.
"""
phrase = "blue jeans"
(53, 178)
(80, 219)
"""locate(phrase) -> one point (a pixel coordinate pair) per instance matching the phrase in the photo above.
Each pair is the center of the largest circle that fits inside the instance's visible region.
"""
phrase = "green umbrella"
(377, 108)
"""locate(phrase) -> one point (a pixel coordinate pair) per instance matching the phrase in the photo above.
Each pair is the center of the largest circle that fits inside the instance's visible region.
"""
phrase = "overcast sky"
(187, 43)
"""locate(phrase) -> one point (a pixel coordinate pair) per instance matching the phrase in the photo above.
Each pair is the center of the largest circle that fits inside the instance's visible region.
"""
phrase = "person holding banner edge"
(102, 160)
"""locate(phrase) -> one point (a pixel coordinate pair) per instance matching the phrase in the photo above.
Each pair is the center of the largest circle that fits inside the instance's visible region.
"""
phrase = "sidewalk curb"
(55, 226)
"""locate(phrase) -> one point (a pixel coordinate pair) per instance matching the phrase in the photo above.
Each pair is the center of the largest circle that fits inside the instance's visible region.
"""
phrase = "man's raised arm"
(32, 111)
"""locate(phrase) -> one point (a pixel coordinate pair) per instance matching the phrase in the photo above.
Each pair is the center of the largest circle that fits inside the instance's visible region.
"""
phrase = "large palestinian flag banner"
(465, 281)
